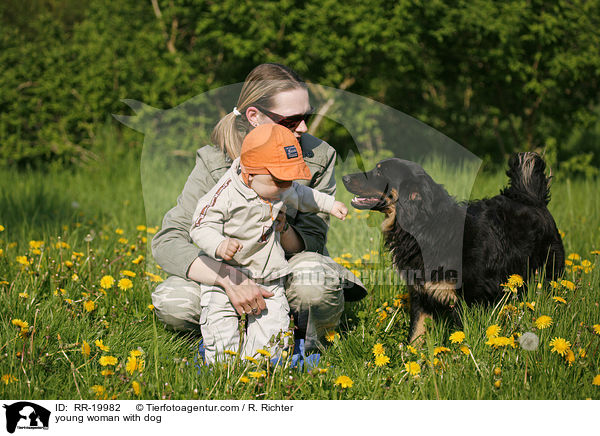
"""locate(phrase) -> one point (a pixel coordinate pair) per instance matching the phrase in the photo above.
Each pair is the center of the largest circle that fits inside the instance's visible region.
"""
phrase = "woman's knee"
(177, 303)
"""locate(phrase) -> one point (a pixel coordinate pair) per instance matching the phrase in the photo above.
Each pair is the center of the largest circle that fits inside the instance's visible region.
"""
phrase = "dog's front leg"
(418, 315)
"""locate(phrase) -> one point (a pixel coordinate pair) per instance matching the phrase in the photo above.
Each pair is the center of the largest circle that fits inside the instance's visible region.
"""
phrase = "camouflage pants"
(314, 292)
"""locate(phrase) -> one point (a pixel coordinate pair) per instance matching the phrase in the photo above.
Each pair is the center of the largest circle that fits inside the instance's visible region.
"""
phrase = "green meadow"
(65, 335)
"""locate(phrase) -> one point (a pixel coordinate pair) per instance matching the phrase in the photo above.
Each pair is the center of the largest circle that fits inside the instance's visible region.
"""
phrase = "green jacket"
(173, 247)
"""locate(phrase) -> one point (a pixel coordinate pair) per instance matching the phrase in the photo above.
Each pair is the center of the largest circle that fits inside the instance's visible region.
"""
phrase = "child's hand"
(339, 210)
(227, 249)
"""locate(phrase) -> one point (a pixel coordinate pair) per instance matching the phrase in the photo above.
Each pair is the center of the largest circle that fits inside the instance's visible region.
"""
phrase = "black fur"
(430, 235)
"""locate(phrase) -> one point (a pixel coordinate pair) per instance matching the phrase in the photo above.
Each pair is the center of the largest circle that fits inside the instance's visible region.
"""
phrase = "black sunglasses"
(291, 122)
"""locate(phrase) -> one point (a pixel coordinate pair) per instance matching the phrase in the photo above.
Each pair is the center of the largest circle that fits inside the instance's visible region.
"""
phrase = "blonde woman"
(317, 288)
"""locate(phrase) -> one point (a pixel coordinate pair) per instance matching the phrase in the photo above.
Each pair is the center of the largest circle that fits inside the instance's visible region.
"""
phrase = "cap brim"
(291, 172)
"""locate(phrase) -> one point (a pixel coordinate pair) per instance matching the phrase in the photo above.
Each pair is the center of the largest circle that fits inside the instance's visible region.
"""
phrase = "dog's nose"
(346, 180)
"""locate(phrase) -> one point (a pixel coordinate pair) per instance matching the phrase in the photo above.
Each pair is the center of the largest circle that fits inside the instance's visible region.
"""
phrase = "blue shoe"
(199, 360)
(302, 361)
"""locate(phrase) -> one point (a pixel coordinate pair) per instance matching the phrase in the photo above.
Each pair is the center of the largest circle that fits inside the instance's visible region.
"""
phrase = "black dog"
(447, 250)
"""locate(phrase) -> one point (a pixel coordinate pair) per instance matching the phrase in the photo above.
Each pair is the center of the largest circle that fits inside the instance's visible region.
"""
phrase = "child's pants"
(219, 323)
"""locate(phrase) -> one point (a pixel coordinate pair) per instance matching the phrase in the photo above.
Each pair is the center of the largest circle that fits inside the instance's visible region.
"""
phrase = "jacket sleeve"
(312, 227)
(172, 246)
(311, 200)
(207, 229)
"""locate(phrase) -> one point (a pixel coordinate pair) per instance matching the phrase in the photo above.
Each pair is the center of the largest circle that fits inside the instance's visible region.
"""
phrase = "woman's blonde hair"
(260, 87)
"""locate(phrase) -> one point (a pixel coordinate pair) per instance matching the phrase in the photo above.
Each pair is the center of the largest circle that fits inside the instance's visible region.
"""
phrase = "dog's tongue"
(364, 202)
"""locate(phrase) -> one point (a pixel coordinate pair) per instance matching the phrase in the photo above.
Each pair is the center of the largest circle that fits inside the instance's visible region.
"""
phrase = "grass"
(45, 360)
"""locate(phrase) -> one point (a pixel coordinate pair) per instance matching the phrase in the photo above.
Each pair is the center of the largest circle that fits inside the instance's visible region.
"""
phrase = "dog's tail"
(528, 183)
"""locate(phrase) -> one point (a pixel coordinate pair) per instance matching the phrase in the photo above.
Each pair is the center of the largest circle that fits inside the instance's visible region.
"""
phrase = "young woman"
(318, 287)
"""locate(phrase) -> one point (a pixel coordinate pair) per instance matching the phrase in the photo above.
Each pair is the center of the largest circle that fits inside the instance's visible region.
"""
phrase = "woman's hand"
(245, 295)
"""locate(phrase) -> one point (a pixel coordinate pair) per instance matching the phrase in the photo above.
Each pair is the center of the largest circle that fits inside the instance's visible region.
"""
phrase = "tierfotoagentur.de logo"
(26, 415)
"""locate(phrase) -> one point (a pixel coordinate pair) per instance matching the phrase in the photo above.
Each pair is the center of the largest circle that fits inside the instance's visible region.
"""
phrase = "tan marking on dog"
(443, 292)
(419, 331)
(390, 212)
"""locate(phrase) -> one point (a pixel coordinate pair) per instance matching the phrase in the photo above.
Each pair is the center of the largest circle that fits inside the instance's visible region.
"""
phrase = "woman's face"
(286, 103)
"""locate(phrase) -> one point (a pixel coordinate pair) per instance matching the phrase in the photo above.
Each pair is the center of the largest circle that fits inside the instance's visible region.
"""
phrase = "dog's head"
(399, 188)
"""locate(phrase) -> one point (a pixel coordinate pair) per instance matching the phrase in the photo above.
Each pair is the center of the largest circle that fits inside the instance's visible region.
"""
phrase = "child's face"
(267, 186)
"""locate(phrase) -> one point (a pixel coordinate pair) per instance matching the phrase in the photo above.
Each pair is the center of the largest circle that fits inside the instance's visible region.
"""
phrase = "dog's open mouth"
(366, 202)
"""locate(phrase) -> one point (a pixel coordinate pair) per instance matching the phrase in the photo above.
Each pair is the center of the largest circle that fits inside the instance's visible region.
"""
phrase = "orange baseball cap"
(273, 149)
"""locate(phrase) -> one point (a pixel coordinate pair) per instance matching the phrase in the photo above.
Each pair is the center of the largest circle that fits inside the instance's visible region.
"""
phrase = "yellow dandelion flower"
(382, 315)
(251, 359)
(356, 272)
(152, 230)
(346, 256)
(125, 284)
(412, 349)
(19, 323)
(98, 390)
(75, 277)
(9, 378)
(128, 273)
(36, 244)
(1, 228)
(343, 381)
(107, 372)
(86, 349)
(366, 257)
(493, 331)
(119, 231)
(257, 374)
(263, 353)
(570, 357)
(596, 328)
(559, 300)
(89, 305)
(23, 295)
(531, 305)
(101, 345)
(337, 260)
(438, 350)
(413, 368)
(568, 284)
(582, 353)
(596, 380)
(543, 322)
(560, 346)
(137, 260)
(4, 282)
(497, 371)
(500, 341)
(123, 241)
(141, 228)
(23, 260)
(231, 353)
(497, 384)
(151, 307)
(596, 252)
(153, 277)
(137, 389)
(244, 379)
(36, 251)
(381, 360)
(1, 252)
(107, 282)
(331, 336)
(131, 364)
(378, 349)
(108, 360)
(68, 301)
(457, 337)
(465, 350)
(515, 281)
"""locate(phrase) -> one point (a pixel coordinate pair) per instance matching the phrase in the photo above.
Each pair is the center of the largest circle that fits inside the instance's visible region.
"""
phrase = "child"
(235, 222)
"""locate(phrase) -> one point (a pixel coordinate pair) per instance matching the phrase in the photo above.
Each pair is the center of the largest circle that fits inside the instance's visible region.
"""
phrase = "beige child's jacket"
(233, 210)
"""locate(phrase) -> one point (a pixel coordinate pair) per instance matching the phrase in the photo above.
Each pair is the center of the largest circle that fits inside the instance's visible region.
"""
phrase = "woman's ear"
(252, 115)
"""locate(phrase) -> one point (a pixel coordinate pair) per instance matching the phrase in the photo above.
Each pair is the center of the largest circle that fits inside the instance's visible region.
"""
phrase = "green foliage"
(496, 77)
